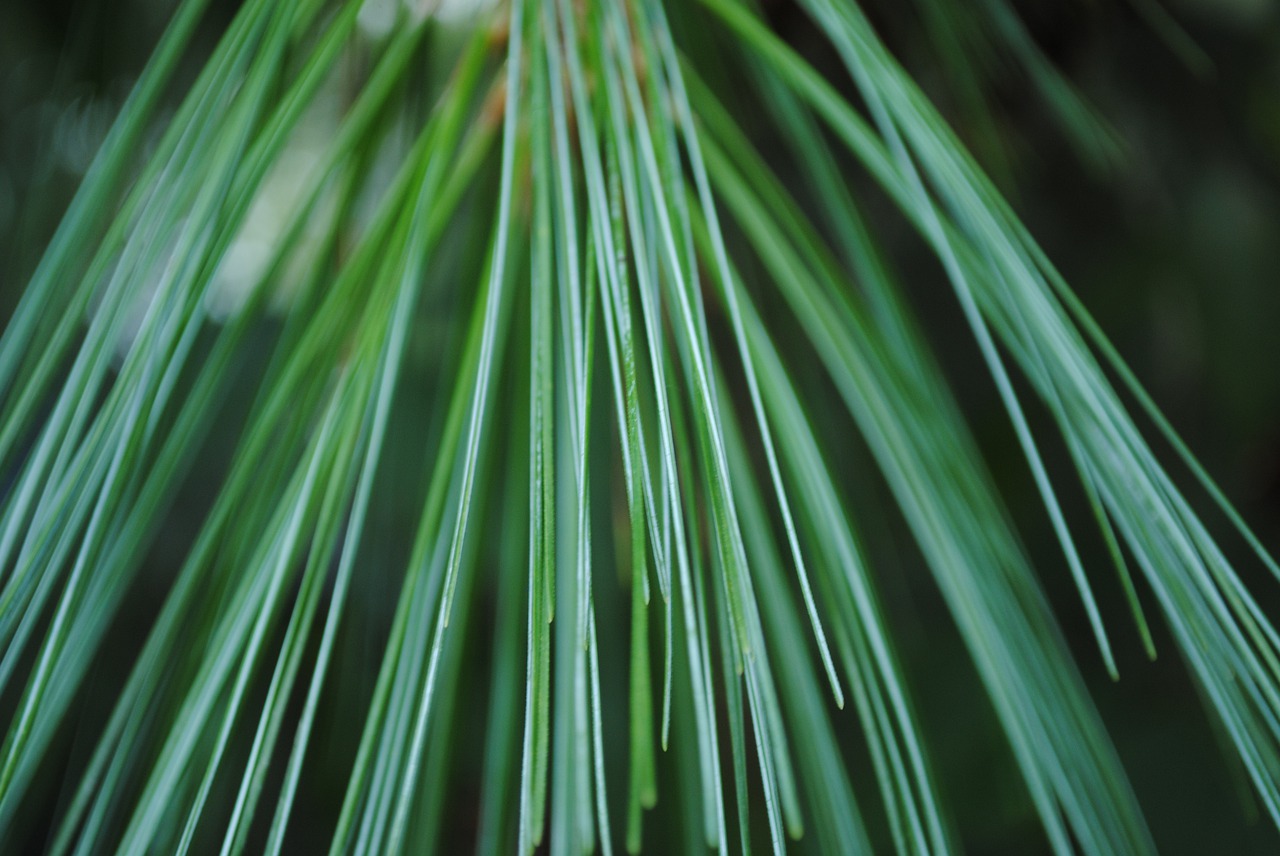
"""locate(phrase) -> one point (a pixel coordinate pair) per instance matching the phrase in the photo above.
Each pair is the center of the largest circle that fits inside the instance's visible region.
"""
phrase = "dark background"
(1176, 250)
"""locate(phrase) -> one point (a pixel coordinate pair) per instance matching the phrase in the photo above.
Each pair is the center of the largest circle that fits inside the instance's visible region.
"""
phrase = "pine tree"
(495, 355)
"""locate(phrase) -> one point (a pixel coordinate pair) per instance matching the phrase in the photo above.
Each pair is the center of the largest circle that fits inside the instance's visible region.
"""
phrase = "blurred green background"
(1175, 248)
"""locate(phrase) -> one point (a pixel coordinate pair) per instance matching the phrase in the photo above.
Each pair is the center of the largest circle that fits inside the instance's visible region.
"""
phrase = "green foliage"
(570, 214)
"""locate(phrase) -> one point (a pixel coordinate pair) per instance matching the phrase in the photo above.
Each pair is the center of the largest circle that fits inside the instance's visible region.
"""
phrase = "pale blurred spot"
(377, 17)
(281, 193)
(455, 11)
(79, 130)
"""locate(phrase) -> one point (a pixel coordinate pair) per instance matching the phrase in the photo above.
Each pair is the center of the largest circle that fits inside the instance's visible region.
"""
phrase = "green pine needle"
(575, 208)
